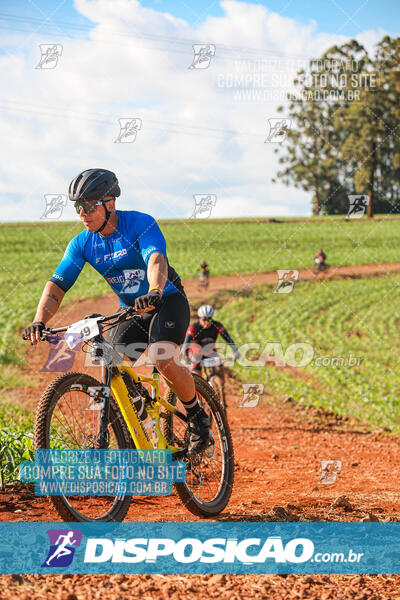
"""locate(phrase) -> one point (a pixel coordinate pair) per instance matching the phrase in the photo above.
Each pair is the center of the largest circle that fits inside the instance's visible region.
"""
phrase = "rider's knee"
(162, 353)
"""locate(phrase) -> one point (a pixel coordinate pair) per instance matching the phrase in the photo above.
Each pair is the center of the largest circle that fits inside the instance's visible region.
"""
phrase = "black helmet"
(94, 184)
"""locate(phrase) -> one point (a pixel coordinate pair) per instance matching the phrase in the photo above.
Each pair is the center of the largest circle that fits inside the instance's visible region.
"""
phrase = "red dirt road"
(249, 280)
(276, 479)
(278, 449)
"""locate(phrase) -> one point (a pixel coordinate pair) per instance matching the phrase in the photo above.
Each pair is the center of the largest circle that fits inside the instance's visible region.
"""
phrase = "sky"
(129, 66)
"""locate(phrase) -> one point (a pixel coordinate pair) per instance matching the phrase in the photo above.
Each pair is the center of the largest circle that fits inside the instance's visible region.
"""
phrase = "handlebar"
(119, 316)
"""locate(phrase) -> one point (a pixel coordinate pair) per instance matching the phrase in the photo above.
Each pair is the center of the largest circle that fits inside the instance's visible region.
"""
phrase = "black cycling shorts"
(168, 324)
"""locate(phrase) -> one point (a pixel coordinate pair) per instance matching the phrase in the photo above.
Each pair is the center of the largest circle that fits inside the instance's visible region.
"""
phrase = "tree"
(388, 69)
(346, 135)
(368, 123)
(313, 160)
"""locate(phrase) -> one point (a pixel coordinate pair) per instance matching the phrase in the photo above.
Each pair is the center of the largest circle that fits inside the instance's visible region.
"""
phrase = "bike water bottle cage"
(88, 206)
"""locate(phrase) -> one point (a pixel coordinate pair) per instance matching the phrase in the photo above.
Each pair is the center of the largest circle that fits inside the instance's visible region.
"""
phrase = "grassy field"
(30, 252)
(355, 318)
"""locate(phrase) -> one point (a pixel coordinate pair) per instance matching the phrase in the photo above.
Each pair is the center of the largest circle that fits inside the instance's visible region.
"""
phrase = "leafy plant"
(16, 446)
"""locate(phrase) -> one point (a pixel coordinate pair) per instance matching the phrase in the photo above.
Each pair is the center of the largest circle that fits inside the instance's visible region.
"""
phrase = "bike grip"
(43, 336)
(26, 338)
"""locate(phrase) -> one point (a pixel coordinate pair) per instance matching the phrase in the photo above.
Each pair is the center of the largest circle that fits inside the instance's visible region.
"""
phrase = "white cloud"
(196, 136)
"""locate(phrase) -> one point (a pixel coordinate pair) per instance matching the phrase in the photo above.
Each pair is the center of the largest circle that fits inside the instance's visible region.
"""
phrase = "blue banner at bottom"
(202, 548)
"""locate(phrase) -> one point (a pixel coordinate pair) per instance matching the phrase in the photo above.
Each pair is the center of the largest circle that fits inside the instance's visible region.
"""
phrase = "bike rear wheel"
(209, 475)
(203, 281)
(66, 418)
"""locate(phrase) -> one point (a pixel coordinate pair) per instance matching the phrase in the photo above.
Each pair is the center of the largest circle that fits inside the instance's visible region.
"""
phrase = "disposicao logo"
(190, 550)
(62, 542)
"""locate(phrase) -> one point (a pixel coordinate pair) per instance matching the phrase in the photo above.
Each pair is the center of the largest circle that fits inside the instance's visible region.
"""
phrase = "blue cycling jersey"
(121, 258)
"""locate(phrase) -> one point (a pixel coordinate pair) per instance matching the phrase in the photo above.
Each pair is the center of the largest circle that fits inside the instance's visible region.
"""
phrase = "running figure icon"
(62, 547)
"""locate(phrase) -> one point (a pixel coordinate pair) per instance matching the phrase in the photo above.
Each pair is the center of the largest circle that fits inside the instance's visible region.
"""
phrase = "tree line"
(342, 129)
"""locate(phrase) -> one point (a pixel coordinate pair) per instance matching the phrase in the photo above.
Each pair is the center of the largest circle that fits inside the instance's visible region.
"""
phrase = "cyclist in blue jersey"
(128, 249)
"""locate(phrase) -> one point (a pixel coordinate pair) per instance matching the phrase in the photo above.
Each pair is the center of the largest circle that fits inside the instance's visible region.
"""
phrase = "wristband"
(156, 287)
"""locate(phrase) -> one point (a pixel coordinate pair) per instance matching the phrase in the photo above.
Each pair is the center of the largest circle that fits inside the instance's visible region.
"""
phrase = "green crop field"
(341, 321)
(30, 252)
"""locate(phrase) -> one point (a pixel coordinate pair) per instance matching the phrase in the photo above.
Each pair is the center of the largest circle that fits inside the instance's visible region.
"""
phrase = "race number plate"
(80, 331)
(213, 361)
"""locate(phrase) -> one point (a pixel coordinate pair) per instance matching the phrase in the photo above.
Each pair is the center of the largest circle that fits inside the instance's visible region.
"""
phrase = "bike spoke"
(72, 428)
(204, 473)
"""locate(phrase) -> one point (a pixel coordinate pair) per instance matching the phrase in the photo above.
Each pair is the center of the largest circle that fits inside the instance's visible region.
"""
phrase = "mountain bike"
(320, 266)
(77, 411)
(204, 279)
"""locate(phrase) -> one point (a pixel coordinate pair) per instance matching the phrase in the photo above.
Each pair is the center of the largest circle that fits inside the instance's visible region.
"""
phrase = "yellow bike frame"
(129, 413)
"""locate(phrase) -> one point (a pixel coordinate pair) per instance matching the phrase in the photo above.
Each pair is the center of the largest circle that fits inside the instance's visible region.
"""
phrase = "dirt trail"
(249, 280)
(36, 357)
(278, 449)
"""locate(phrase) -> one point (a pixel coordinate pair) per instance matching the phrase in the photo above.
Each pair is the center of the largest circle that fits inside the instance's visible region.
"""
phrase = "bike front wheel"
(67, 417)
(209, 474)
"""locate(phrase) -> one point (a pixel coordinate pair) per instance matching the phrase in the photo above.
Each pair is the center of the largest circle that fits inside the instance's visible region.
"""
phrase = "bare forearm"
(157, 271)
(49, 302)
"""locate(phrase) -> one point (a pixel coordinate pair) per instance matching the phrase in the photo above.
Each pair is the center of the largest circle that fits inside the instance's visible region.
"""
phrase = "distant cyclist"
(128, 249)
(320, 260)
(201, 337)
(204, 273)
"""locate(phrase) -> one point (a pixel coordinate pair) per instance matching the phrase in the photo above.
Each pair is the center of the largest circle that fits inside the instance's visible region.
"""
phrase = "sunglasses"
(88, 206)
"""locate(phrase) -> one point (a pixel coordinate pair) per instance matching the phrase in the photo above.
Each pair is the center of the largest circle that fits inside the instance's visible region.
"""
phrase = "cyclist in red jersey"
(201, 337)
(320, 257)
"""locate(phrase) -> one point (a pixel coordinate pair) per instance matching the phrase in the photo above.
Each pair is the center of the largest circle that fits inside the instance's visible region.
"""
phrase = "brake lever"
(133, 312)
(141, 311)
